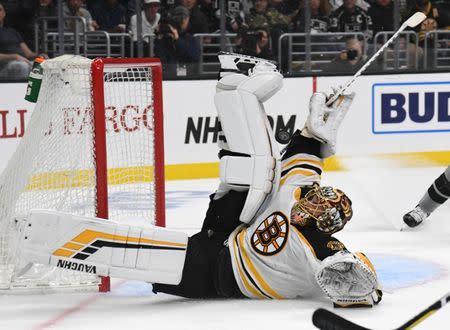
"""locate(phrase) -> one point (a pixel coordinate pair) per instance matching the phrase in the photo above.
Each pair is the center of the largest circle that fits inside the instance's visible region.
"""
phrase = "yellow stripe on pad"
(63, 253)
(72, 246)
(89, 236)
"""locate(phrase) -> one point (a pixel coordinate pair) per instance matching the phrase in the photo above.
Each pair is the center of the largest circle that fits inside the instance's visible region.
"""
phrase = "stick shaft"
(425, 313)
(364, 67)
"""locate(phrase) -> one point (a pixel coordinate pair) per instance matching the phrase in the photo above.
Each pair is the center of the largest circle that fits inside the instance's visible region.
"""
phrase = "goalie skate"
(415, 217)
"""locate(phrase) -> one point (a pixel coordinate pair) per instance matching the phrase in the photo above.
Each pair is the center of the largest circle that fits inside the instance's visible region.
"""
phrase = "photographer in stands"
(15, 55)
(178, 50)
(349, 60)
(254, 43)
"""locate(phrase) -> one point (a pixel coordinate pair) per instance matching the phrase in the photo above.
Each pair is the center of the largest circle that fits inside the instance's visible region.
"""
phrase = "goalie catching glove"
(349, 280)
(323, 122)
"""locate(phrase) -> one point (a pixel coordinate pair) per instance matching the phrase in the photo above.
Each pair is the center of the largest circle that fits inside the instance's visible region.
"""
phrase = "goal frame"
(98, 101)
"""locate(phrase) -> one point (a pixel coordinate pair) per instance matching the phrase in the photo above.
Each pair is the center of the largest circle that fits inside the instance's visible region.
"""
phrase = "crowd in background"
(257, 23)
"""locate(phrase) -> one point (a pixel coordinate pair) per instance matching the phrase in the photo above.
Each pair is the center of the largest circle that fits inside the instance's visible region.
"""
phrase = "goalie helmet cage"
(94, 146)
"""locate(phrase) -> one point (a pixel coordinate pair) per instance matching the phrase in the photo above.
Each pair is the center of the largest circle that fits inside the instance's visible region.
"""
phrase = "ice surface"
(413, 266)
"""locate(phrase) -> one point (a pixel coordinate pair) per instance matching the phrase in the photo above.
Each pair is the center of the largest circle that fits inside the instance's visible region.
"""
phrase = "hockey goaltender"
(268, 229)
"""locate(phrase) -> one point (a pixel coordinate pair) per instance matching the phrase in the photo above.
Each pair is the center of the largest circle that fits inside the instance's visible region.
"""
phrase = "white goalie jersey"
(271, 258)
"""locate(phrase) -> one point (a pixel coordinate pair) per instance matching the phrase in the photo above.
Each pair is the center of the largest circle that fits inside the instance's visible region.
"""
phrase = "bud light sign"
(415, 107)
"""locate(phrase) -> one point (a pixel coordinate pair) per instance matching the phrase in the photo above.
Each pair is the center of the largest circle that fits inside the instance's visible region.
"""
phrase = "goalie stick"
(326, 320)
(413, 21)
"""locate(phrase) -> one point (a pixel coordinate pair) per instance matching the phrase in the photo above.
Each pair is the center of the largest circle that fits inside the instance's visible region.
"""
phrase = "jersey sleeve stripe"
(318, 170)
(297, 160)
(304, 240)
(243, 277)
(259, 279)
(300, 172)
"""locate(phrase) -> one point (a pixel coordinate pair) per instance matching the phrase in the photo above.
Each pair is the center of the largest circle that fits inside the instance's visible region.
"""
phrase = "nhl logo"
(271, 235)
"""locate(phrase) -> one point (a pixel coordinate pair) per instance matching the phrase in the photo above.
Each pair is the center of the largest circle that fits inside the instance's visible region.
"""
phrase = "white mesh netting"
(54, 165)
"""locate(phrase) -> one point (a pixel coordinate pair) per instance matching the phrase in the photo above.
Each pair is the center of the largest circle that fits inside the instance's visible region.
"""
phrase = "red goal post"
(98, 101)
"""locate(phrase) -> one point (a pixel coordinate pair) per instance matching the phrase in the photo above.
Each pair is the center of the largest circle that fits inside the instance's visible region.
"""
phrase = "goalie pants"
(207, 271)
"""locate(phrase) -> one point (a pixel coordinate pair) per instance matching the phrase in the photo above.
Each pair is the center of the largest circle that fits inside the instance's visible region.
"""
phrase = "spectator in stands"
(364, 4)
(351, 18)
(437, 18)
(263, 16)
(286, 7)
(208, 8)
(178, 50)
(15, 55)
(75, 8)
(198, 23)
(22, 19)
(320, 11)
(150, 19)
(110, 16)
(150, 22)
(349, 60)
(235, 16)
(382, 15)
(254, 43)
(46, 8)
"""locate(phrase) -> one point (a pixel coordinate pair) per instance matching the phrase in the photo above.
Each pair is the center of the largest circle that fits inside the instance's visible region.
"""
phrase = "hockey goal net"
(93, 146)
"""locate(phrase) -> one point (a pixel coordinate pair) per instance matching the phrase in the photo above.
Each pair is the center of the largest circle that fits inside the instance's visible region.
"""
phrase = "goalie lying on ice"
(268, 229)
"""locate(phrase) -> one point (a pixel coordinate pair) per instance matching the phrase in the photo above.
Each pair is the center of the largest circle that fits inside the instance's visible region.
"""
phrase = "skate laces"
(418, 214)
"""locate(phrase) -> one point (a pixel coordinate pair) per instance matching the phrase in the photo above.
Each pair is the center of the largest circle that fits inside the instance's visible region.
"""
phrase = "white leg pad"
(103, 247)
(247, 130)
(263, 85)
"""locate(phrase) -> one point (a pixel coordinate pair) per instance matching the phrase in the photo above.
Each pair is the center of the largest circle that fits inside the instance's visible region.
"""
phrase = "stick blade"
(415, 19)
(325, 320)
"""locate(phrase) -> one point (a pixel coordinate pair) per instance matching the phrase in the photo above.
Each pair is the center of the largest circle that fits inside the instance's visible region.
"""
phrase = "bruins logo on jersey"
(271, 235)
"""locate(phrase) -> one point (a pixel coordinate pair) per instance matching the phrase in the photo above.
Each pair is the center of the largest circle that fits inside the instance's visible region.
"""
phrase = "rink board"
(391, 114)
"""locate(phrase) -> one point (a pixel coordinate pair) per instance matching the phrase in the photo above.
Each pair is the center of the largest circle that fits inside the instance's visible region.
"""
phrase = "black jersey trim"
(302, 144)
(307, 166)
(101, 244)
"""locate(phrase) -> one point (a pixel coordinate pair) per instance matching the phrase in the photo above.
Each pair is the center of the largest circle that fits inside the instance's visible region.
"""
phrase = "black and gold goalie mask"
(326, 208)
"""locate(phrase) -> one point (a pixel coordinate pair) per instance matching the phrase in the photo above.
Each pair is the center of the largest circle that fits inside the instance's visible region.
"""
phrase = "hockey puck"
(283, 137)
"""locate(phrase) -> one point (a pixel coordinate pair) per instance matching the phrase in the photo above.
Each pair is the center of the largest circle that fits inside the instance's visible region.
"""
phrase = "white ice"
(413, 266)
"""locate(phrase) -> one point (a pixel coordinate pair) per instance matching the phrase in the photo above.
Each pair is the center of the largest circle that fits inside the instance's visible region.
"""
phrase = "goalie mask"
(326, 208)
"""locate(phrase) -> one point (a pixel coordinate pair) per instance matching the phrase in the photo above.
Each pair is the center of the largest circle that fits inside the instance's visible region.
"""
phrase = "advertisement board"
(390, 114)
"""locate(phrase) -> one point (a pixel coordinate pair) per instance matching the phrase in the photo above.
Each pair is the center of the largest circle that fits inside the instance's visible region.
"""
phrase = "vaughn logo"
(411, 107)
(76, 266)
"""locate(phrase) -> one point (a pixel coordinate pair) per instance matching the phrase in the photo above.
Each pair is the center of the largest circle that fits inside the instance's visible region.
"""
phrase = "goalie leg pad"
(248, 131)
(103, 247)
